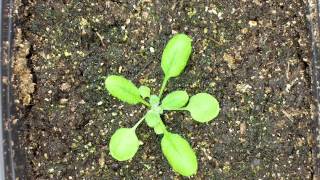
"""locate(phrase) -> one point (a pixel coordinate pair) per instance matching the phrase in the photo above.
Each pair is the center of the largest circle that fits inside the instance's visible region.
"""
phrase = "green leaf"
(152, 118)
(175, 55)
(179, 154)
(203, 107)
(144, 91)
(124, 144)
(175, 100)
(154, 100)
(160, 128)
(122, 89)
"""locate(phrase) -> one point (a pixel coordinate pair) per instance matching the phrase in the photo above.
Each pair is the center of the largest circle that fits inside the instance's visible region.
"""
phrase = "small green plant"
(203, 107)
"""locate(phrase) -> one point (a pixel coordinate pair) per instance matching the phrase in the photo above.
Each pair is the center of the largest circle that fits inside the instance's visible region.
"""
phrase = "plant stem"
(138, 123)
(164, 83)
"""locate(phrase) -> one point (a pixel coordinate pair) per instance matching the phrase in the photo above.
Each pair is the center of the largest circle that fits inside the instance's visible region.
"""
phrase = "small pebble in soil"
(63, 101)
(65, 87)
(253, 23)
(115, 166)
(151, 49)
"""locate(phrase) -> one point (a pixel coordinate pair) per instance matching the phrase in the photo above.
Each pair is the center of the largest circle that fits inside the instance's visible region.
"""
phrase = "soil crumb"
(23, 75)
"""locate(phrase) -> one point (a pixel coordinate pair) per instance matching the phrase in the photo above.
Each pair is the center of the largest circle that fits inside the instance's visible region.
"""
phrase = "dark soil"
(254, 56)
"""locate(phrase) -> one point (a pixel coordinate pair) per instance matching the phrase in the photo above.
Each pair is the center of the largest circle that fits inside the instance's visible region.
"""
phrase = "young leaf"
(124, 144)
(175, 55)
(154, 100)
(203, 107)
(179, 154)
(152, 118)
(175, 100)
(160, 128)
(122, 89)
(144, 91)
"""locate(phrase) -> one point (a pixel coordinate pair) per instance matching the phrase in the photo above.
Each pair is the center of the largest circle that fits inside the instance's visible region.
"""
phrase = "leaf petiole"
(164, 83)
(138, 123)
(145, 103)
(165, 131)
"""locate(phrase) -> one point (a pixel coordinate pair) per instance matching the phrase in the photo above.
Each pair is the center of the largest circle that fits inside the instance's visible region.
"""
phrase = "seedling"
(203, 107)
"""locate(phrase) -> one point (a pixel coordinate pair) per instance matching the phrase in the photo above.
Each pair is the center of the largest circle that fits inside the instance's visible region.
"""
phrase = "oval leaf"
(160, 128)
(175, 100)
(179, 154)
(124, 144)
(152, 118)
(122, 89)
(154, 100)
(175, 55)
(203, 107)
(144, 91)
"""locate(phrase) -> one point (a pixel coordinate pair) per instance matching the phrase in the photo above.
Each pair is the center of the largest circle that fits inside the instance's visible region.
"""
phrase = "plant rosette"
(203, 108)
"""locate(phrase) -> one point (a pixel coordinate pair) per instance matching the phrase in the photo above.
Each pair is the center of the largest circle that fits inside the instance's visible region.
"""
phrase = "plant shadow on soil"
(252, 56)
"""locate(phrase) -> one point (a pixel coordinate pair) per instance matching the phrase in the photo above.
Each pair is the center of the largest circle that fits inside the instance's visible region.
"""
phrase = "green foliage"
(154, 100)
(175, 100)
(152, 118)
(160, 128)
(124, 144)
(175, 55)
(203, 108)
(122, 89)
(179, 154)
(144, 91)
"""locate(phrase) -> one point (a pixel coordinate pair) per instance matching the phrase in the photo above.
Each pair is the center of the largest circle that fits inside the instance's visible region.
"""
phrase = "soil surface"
(253, 56)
